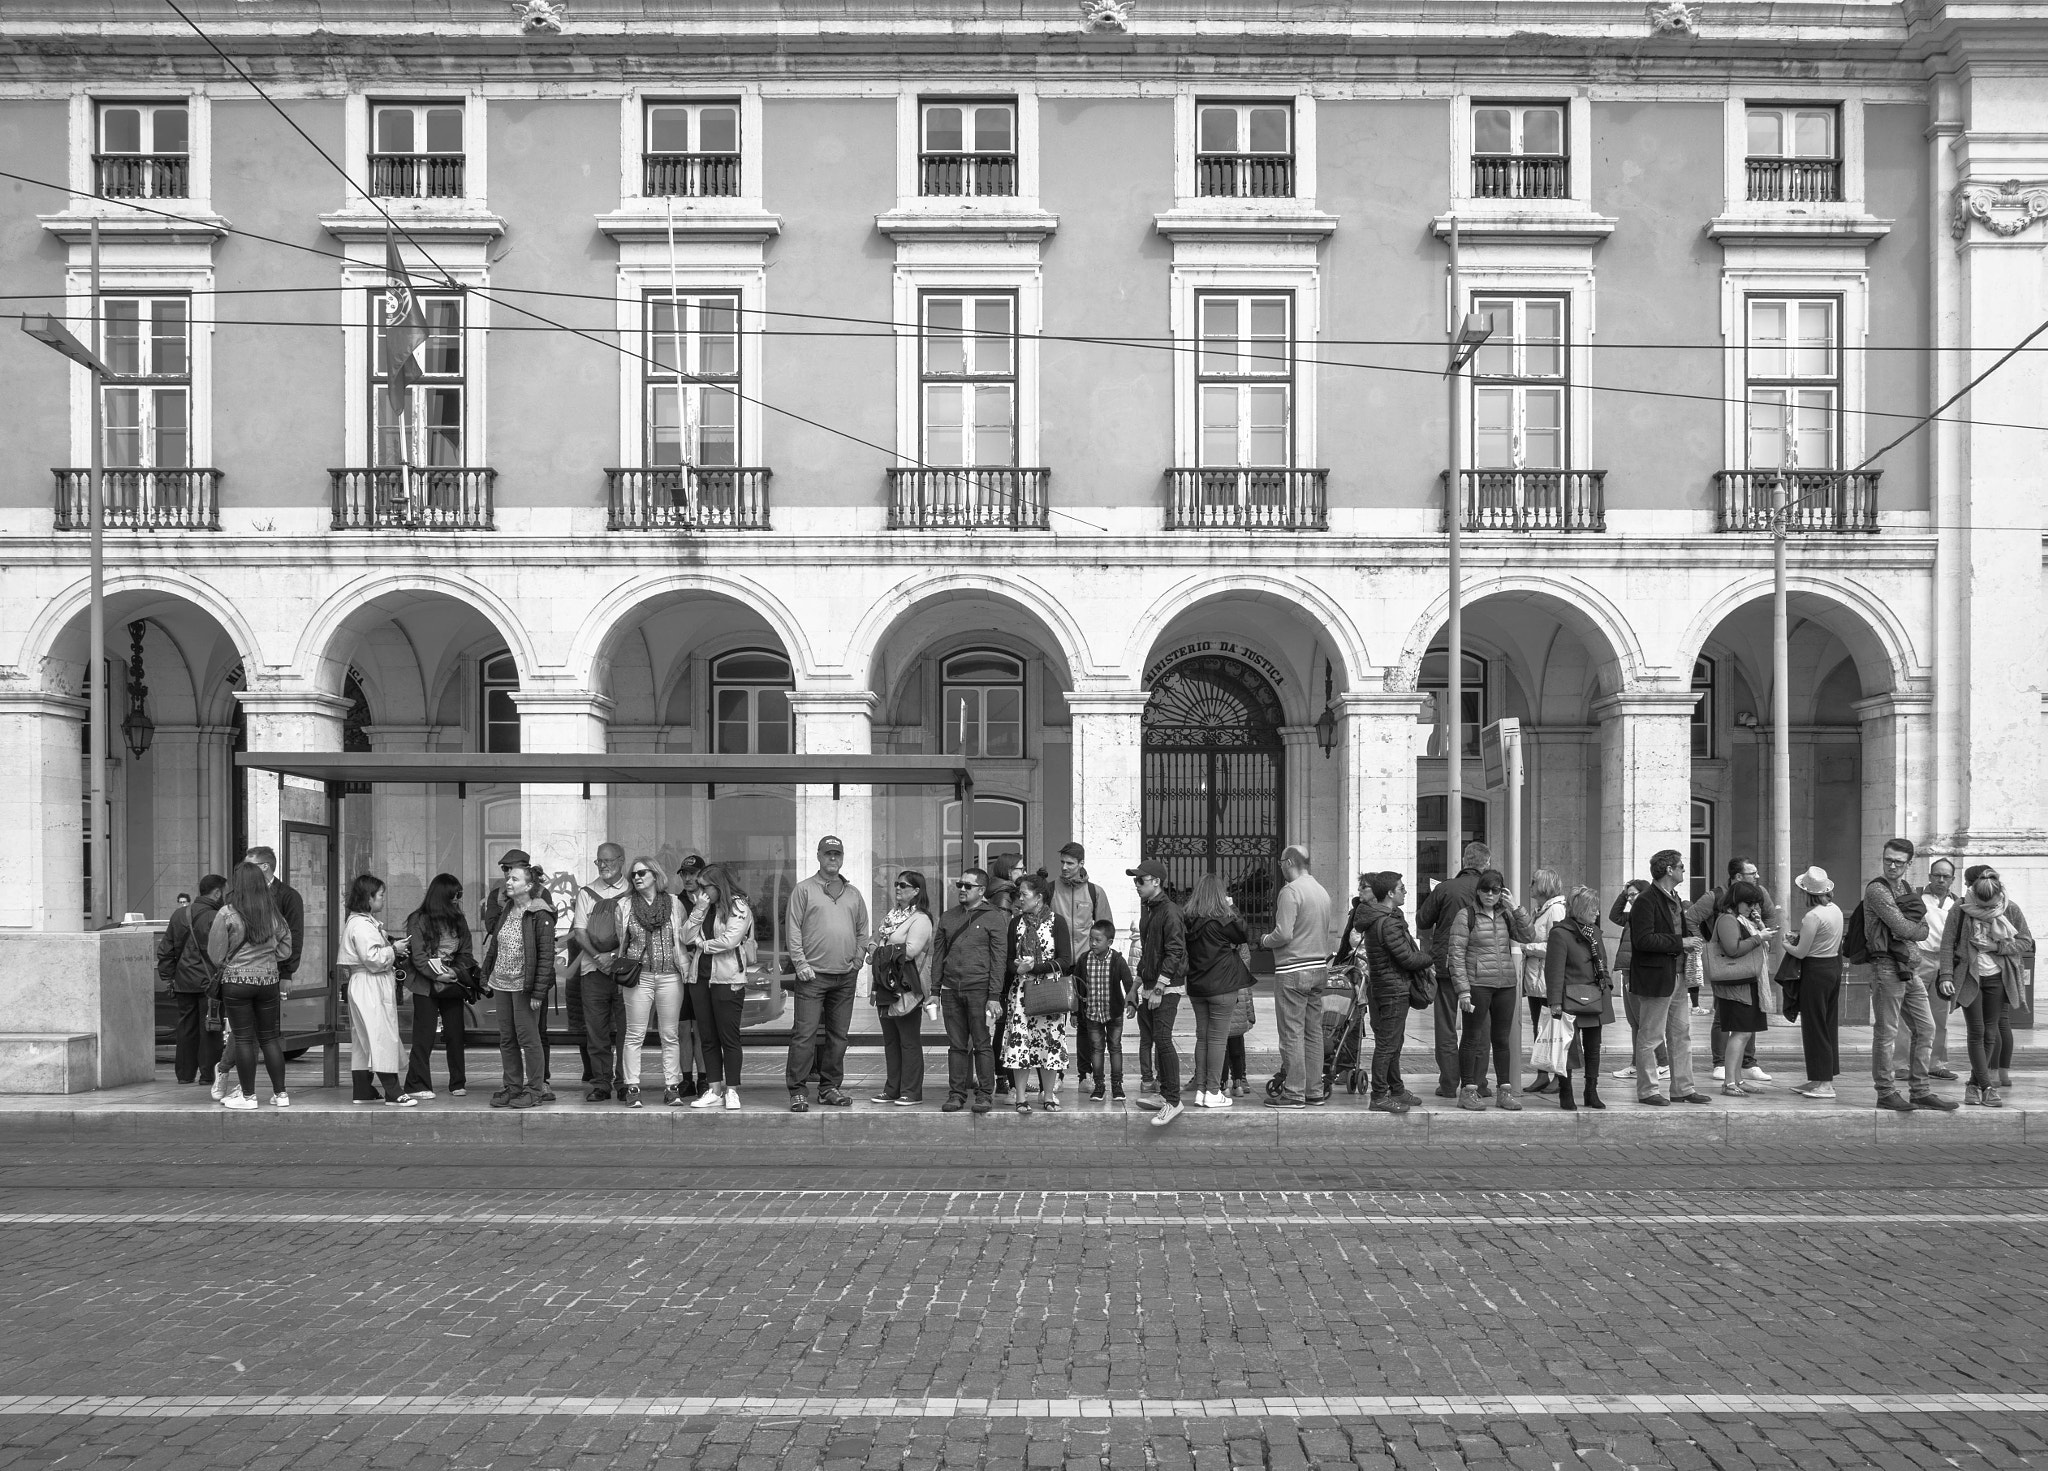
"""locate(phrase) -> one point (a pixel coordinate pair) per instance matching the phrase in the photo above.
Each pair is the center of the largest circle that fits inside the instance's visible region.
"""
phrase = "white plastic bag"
(1551, 1050)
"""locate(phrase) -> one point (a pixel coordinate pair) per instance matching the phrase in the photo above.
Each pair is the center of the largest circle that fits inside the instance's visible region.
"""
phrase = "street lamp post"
(52, 333)
(1781, 705)
(1468, 332)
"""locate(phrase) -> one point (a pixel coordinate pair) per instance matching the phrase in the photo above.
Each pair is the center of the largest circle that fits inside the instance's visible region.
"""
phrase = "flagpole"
(675, 309)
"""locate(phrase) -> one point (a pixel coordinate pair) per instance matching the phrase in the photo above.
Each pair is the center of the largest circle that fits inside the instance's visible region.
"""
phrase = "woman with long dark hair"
(439, 979)
(370, 958)
(1579, 989)
(1039, 945)
(721, 929)
(903, 941)
(1216, 973)
(1737, 961)
(248, 940)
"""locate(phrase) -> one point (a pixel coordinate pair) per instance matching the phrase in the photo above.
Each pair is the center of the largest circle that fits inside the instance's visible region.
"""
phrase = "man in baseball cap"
(1162, 968)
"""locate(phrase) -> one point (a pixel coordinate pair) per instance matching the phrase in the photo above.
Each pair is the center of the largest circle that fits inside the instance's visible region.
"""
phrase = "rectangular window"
(1519, 385)
(1244, 150)
(143, 150)
(968, 148)
(416, 150)
(1794, 154)
(432, 431)
(691, 363)
(693, 149)
(1703, 709)
(146, 341)
(1793, 373)
(1518, 151)
(1244, 380)
(968, 379)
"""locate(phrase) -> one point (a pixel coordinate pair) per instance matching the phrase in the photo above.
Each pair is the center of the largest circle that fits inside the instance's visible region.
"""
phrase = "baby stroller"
(1344, 1018)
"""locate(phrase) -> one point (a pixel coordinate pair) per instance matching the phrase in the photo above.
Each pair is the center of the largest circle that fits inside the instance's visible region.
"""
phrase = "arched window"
(1703, 710)
(1436, 679)
(1700, 862)
(998, 828)
(497, 682)
(981, 704)
(750, 712)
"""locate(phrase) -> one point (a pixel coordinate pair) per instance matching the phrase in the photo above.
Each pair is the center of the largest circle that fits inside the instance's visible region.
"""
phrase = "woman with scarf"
(654, 939)
(1738, 954)
(1986, 952)
(1579, 989)
(1039, 945)
(370, 957)
(905, 941)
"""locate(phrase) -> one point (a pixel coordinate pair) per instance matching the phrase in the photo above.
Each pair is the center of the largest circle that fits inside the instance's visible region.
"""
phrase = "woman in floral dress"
(1039, 945)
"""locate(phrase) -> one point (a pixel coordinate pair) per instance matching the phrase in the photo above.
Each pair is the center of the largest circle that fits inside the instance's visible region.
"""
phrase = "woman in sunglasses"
(654, 939)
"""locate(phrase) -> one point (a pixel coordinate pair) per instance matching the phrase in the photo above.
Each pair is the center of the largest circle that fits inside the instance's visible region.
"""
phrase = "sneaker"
(982, 1103)
(1116, 1095)
(672, 1095)
(1219, 1100)
(916, 1102)
(1389, 1104)
(709, 1098)
(1973, 1096)
(1942, 1071)
(424, 1095)
(547, 1095)
(1097, 1095)
(833, 1098)
(953, 1104)
(883, 1098)
(1317, 1100)
(503, 1097)
(1277, 1100)
(1720, 1073)
(1992, 1098)
(732, 1099)
(403, 1100)
(1935, 1102)
(630, 1096)
(1756, 1075)
(1166, 1115)
(239, 1101)
(527, 1098)
(1815, 1090)
(1409, 1099)
(220, 1087)
(799, 1104)
(1896, 1102)
(1506, 1100)
(458, 1093)
(284, 1100)
(1151, 1104)
(1468, 1099)
(1624, 1072)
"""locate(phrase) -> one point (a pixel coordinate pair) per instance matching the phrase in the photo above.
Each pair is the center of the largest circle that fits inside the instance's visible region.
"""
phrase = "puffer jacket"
(1481, 957)
(538, 918)
(1391, 954)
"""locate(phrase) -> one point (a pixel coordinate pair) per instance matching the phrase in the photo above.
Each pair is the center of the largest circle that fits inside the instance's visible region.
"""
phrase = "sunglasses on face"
(641, 873)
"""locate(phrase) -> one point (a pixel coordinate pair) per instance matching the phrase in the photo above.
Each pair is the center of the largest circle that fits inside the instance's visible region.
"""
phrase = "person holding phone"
(370, 957)
(440, 978)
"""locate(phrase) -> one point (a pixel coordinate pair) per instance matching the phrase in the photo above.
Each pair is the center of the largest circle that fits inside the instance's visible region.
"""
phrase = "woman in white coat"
(370, 956)
(1547, 909)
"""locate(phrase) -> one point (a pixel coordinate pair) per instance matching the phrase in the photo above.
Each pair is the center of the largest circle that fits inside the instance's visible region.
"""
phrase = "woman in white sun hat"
(1819, 951)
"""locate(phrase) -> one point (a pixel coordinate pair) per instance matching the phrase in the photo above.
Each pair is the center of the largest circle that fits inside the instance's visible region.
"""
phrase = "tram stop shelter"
(407, 816)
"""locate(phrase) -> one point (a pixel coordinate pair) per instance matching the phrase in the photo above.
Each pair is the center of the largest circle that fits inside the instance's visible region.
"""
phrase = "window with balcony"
(750, 709)
(691, 362)
(1793, 154)
(1794, 377)
(1519, 152)
(423, 425)
(969, 379)
(982, 704)
(1521, 477)
(146, 341)
(416, 150)
(692, 151)
(968, 148)
(1244, 150)
(1244, 379)
(144, 150)
(497, 711)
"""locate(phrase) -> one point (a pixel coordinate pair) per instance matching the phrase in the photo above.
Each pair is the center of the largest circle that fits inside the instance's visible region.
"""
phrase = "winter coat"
(188, 930)
(1441, 909)
(1214, 966)
(1656, 932)
(1080, 904)
(1391, 956)
(1567, 957)
(1163, 957)
(1534, 955)
(1481, 957)
(1956, 961)
(539, 923)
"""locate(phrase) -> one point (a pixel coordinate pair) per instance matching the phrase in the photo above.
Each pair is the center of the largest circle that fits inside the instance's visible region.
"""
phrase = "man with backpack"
(593, 949)
(1082, 904)
(1886, 929)
(182, 966)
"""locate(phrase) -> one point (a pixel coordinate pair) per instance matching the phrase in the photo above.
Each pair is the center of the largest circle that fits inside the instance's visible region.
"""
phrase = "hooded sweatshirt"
(1080, 903)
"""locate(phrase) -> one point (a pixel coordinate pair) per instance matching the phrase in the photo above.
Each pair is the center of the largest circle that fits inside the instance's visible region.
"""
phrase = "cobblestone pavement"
(316, 1300)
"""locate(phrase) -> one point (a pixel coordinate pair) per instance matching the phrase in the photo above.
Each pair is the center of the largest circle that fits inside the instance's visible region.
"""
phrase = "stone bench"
(49, 1062)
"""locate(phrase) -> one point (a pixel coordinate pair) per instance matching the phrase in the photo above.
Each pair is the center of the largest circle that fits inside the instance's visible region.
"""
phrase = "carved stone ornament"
(1681, 17)
(540, 15)
(1107, 15)
(2003, 209)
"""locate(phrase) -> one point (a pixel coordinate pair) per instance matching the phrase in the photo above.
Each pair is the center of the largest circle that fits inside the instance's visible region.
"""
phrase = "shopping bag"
(1551, 1052)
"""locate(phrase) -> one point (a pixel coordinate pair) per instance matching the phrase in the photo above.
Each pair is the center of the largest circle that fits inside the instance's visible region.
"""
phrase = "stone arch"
(620, 611)
(40, 643)
(385, 593)
(1055, 629)
(1874, 634)
(1599, 624)
(1300, 601)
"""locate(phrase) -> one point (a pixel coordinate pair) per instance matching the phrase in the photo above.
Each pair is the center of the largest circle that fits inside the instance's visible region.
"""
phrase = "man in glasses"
(1658, 946)
(1938, 894)
(1894, 922)
(594, 939)
(970, 952)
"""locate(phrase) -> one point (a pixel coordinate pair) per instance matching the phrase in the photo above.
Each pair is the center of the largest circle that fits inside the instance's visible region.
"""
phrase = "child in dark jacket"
(1103, 980)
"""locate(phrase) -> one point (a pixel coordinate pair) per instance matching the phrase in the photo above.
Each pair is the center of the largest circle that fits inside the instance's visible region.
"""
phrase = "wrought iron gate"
(1213, 781)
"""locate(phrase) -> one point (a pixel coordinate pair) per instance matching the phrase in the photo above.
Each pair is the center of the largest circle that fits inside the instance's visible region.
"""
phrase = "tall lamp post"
(51, 332)
(1468, 333)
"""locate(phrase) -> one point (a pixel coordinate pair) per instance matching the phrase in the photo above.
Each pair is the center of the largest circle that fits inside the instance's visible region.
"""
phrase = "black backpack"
(1855, 938)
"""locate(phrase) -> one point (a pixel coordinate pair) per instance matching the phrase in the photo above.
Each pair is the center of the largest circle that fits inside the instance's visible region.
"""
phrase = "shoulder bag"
(1050, 994)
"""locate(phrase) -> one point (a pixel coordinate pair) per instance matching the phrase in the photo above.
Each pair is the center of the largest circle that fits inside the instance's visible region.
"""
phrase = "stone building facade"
(1061, 394)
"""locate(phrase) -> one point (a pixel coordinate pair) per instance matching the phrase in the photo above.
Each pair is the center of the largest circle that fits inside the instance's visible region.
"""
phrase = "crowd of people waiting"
(1025, 973)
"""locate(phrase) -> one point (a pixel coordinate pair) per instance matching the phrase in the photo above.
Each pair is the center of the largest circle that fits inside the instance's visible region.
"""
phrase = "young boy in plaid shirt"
(1108, 990)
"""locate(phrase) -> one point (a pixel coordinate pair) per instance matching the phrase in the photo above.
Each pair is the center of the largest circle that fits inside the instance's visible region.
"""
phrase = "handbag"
(1551, 1051)
(1584, 998)
(1052, 994)
(1729, 970)
(1246, 1016)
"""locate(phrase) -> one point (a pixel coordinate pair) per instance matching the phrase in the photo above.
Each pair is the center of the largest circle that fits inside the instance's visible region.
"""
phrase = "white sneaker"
(709, 1098)
(1219, 1100)
(238, 1100)
(403, 1100)
(1663, 1072)
(732, 1098)
(1168, 1112)
(1721, 1073)
(424, 1094)
(1624, 1072)
(1756, 1075)
(220, 1087)
(281, 1100)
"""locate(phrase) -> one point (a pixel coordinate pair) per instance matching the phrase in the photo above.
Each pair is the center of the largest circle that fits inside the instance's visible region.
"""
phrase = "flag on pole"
(405, 331)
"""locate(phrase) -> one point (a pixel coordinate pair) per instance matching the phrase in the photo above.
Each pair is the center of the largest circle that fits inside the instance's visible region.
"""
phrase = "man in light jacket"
(1894, 922)
(828, 935)
(970, 949)
(1300, 940)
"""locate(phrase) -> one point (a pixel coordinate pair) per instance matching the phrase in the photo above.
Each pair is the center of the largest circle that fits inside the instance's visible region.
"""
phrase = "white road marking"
(1196, 1217)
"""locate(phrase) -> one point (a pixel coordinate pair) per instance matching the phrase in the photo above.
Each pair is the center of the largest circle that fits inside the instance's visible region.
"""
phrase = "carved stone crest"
(1680, 17)
(1107, 15)
(540, 15)
(2003, 209)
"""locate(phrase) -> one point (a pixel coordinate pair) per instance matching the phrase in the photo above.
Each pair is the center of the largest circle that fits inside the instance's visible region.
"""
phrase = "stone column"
(558, 825)
(841, 723)
(1300, 799)
(1645, 780)
(1380, 736)
(42, 820)
(1898, 772)
(285, 720)
(1109, 778)
(173, 767)
(408, 844)
(1557, 782)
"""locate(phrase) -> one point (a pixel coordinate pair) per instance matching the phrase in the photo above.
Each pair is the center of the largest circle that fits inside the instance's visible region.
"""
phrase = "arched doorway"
(1213, 771)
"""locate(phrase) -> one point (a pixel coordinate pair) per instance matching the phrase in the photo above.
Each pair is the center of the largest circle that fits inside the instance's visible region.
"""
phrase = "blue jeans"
(1897, 996)
(519, 1046)
(970, 1054)
(1298, 1014)
(1165, 1060)
(1102, 1051)
(824, 1005)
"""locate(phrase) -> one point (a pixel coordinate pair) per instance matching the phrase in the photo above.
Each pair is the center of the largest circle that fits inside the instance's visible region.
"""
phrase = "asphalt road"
(925, 1302)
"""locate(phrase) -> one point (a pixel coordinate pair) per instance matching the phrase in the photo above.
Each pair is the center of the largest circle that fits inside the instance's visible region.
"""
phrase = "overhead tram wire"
(966, 472)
